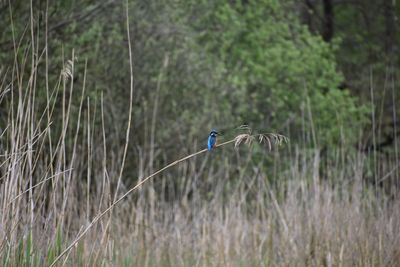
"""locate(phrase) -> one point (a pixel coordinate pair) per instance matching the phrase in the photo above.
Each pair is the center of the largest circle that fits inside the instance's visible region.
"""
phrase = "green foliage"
(272, 64)
(337, 117)
(228, 63)
(56, 248)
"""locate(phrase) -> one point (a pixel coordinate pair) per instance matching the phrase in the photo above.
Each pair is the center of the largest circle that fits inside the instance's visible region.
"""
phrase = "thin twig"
(141, 182)
(98, 217)
(130, 103)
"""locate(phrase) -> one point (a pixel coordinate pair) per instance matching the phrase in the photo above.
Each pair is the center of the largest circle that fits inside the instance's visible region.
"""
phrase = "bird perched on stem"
(212, 140)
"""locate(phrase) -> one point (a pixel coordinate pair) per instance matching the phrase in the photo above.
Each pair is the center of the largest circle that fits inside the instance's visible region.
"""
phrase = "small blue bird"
(212, 139)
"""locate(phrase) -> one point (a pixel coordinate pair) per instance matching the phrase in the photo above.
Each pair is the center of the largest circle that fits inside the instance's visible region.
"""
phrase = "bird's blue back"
(211, 142)
(212, 139)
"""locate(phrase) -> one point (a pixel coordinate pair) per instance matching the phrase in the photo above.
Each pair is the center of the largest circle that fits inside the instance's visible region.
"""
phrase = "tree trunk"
(390, 26)
(327, 33)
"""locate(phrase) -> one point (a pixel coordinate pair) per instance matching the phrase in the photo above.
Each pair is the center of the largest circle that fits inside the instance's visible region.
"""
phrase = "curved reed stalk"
(242, 138)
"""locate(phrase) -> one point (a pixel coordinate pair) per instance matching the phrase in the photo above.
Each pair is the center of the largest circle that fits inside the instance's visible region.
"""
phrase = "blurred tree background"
(324, 73)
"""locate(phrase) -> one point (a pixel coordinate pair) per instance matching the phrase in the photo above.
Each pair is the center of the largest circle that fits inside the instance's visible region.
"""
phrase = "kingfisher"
(212, 139)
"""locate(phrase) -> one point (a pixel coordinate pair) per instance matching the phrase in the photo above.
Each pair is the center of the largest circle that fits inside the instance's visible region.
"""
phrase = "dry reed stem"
(36, 185)
(130, 102)
(241, 137)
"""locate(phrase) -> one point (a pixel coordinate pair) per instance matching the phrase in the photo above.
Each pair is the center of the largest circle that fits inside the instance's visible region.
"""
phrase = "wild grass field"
(50, 194)
(75, 191)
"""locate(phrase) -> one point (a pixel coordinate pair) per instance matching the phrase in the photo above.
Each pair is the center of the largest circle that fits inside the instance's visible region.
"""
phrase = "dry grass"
(303, 220)
(313, 230)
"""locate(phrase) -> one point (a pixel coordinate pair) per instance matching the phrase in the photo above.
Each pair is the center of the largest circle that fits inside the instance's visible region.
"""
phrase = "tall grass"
(62, 192)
